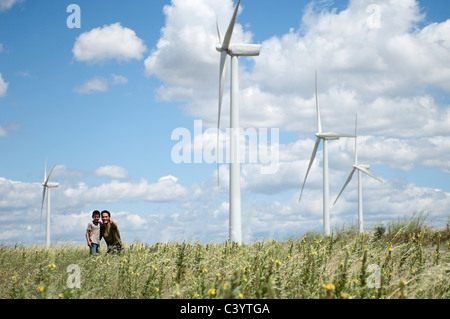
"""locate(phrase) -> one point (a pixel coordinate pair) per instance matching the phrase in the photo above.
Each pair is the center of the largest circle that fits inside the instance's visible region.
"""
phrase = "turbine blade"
(319, 122)
(313, 156)
(345, 185)
(227, 39)
(218, 31)
(48, 177)
(365, 171)
(356, 139)
(223, 63)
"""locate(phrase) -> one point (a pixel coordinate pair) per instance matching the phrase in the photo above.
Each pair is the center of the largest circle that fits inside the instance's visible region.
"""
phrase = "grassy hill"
(406, 259)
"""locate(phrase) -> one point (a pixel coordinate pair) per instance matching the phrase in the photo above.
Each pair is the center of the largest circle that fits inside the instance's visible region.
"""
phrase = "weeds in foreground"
(407, 259)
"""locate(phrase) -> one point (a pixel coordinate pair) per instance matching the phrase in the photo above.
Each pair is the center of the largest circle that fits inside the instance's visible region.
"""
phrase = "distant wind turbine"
(361, 168)
(46, 186)
(325, 137)
(235, 51)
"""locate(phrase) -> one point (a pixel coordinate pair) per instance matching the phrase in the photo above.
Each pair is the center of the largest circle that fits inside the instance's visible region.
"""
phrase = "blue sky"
(105, 114)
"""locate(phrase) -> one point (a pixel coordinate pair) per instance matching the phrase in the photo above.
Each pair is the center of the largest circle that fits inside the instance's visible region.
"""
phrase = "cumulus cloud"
(4, 131)
(8, 4)
(110, 42)
(100, 84)
(3, 86)
(93, 85)
(185, 55)
(112, 172)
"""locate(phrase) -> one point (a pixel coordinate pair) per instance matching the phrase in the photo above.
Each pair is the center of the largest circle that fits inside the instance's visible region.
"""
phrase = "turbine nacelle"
(332, 136)
(51, 185)
(364, 166)
(241, 49)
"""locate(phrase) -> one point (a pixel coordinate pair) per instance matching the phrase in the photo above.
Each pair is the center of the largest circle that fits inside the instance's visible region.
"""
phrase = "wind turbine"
(235, 51)
(48, 186)
(364, 168)
(325, 137)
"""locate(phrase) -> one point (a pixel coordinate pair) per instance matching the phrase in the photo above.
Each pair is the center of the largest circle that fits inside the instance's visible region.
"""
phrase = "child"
(93, 233)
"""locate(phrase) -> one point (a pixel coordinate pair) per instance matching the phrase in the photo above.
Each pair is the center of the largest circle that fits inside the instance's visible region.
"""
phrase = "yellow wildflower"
(41, 289)
(330, 287)
(211, 291)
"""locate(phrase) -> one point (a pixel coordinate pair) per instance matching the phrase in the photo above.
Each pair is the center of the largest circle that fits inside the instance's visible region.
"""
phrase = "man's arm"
(113, 224)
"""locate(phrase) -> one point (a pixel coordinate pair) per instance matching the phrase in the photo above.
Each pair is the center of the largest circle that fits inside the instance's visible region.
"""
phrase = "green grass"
(413, 259)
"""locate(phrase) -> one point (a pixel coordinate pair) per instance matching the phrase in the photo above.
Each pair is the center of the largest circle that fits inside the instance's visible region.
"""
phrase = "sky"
(123, 100)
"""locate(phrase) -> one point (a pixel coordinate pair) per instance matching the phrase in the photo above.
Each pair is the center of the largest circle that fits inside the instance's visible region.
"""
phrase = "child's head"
(96, 215)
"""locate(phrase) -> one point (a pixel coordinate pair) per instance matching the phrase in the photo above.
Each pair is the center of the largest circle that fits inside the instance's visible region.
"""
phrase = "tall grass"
(413, 262)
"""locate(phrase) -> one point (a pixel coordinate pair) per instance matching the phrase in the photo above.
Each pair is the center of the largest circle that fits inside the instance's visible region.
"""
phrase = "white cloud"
(4, 131)
(112, 172)
(185, 55)
(108, 42)
(8, 4)
(100, 84)
(3, 86)
(93, 85)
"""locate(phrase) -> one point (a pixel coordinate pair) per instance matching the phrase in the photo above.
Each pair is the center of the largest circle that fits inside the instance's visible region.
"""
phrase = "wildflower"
(225, 286)
(344, 295)
(241, 296)
(211, 291)
(330, 287)
(204, 270)
(124, 260)
(41, 289)
(13, 277)
(390, 249)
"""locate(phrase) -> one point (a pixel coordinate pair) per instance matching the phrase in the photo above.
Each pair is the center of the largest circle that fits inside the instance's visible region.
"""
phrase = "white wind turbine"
(46, 186)
(361, 168)
(235, 51)
(325, 137)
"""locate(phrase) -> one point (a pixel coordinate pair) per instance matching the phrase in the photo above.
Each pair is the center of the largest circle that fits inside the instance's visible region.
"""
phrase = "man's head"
(105, 217)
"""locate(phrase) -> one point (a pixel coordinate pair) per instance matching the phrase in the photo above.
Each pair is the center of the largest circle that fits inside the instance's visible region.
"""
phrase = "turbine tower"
(48, 186)
(364, 168)
(235, 51)
(325, 137)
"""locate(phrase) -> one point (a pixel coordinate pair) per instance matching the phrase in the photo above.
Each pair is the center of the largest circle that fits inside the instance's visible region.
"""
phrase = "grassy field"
(406, 259)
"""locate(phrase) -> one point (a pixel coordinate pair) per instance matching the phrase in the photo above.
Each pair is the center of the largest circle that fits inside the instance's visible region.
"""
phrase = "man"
(110, 232)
